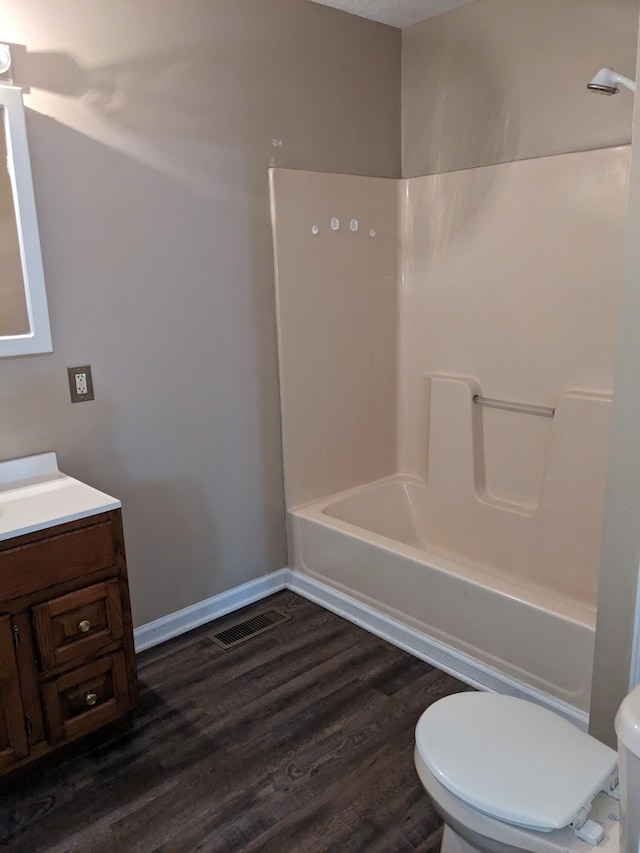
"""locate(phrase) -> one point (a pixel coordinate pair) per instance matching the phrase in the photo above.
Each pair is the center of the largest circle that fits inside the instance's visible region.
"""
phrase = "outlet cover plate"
(85, 370)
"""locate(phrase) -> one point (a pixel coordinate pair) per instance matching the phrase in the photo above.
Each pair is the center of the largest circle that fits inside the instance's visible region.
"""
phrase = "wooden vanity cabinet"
(67, 663)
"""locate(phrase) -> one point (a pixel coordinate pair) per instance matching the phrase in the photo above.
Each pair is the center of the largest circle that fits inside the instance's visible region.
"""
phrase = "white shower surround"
(508, 289)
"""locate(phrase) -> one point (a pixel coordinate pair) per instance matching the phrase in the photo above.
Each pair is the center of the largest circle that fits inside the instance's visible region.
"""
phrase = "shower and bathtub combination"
(446, 350)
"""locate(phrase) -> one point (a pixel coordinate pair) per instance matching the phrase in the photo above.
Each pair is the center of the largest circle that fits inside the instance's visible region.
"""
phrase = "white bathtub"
(374, 543)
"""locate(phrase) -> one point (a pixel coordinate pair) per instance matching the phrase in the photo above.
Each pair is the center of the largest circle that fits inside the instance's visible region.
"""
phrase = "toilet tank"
(628, 732)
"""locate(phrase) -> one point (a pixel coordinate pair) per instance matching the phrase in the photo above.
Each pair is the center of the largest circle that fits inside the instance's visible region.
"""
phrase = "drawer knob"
(91, 698)
(84, 626)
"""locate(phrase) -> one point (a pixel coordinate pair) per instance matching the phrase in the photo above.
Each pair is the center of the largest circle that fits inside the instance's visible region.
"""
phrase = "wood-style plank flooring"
(299, 740)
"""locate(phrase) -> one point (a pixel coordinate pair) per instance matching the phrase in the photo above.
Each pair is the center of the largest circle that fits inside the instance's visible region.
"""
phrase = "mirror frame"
(38, 339)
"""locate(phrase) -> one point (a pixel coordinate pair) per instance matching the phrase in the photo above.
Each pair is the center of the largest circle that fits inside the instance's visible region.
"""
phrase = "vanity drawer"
(75, 626)
(30, 568)
(86, 698)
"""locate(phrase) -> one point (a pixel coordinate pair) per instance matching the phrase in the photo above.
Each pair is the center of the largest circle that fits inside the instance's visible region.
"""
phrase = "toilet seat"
(486, 833)
(513, 760)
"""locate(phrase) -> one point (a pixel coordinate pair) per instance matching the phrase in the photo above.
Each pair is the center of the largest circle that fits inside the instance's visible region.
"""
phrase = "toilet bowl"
(508, 775)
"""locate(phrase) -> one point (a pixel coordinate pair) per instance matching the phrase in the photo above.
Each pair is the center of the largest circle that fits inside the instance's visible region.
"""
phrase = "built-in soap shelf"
(491, 450)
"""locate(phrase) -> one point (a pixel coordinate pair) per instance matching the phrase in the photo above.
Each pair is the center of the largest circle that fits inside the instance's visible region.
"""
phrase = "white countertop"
(35, 494)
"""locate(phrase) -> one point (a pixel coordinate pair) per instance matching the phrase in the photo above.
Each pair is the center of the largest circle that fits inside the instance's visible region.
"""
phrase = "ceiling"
(397, 13)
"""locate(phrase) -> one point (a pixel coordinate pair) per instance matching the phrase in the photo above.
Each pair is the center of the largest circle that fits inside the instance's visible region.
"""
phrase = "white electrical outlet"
(81, 383)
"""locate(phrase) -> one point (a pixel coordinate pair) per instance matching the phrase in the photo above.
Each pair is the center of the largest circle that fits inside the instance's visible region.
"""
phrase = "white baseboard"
(445, 657)
(439, 654)
(174, 624)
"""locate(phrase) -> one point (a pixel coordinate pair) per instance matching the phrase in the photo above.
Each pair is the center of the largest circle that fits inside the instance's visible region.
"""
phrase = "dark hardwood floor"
(299, 740)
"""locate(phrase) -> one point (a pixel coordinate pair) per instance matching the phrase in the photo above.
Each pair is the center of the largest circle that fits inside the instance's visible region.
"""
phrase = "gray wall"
(500, 80)
(152, 126)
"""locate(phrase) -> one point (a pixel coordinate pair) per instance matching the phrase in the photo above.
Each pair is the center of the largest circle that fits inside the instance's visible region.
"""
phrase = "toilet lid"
(511, 759)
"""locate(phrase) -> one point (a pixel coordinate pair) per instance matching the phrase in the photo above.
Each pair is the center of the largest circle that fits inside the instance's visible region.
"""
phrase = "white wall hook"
(335, 223)
(314, 230)
(353, 225)
(372, 233)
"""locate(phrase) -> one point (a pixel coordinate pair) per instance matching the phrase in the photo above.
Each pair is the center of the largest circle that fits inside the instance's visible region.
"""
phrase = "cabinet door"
(13, 734)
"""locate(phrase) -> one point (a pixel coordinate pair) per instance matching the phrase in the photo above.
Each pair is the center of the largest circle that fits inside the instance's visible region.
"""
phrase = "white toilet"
(508, 775)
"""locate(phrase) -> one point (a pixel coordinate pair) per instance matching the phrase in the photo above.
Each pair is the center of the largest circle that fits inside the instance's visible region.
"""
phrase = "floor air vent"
(248, 628)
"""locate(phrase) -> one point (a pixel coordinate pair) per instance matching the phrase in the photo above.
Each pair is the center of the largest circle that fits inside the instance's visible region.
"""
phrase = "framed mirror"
(24, 316)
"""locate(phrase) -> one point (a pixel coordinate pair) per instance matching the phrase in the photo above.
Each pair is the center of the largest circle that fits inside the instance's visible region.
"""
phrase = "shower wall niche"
(404, 490)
